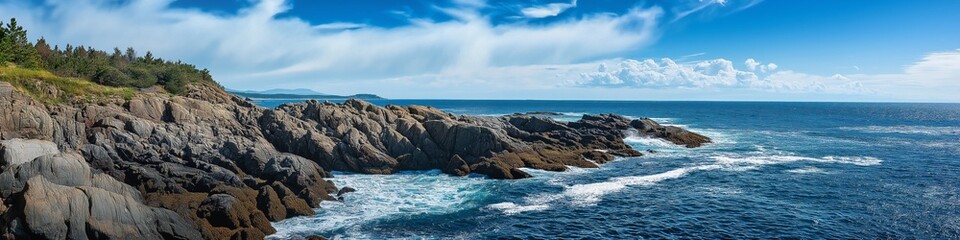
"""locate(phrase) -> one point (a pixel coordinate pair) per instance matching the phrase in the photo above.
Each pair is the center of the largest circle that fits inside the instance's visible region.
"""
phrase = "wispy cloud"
(464, 55)
(548, 10)
(339, 26)
(703, 4)
(254, 44)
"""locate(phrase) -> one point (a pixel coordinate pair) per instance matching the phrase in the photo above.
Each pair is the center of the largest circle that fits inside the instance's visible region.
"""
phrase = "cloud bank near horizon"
(466, 54)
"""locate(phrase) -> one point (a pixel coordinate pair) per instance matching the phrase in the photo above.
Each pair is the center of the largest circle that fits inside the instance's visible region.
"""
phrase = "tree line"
(118, 69)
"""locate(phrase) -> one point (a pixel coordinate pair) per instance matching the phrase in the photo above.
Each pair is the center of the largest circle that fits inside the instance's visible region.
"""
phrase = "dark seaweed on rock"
(208, 164)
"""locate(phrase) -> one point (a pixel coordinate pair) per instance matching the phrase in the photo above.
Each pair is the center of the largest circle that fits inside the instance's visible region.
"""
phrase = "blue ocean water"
(777, 170)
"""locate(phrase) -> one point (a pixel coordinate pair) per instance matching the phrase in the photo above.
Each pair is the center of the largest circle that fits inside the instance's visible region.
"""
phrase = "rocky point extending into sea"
(211, 165)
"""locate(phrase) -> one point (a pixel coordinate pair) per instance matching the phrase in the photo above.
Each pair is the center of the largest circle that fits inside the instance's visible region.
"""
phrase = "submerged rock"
(345, 190)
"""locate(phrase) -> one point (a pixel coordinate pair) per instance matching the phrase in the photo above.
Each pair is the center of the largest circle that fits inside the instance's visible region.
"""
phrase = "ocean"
(776, 170)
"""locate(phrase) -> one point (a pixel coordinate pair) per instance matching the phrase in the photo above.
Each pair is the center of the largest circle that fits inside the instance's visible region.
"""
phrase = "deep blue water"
(777, 170)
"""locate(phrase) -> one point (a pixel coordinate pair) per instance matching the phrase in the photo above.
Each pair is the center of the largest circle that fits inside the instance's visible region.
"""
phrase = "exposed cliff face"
(212, 165)
(201, 156)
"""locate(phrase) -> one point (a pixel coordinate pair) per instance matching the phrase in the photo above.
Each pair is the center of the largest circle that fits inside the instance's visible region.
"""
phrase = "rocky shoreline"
(211, 165)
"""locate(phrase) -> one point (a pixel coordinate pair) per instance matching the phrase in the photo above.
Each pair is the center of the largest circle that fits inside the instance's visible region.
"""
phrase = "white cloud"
(335, 26)
(754, 65)
(772, 66)
(470, 56)
(549, 10)
(751, 64)
(938, 67)
(936, 77)
(245, 49)
(716, 73)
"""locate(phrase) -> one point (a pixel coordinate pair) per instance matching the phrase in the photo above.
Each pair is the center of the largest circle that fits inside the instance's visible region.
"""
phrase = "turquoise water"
(787, 170)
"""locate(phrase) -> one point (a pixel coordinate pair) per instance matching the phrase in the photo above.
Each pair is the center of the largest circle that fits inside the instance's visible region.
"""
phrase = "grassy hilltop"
(53, 74)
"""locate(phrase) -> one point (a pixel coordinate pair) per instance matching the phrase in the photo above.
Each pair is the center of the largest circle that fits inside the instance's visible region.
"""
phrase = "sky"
(718, 50)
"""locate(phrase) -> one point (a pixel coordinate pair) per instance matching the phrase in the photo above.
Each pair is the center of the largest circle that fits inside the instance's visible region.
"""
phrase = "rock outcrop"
(58, 196)
(357, 136)
(211, 165)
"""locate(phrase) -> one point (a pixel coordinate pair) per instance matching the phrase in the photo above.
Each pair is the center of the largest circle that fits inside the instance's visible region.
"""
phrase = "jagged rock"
(499, 171)
(673, 134)
(225, 166)
(295, 206)
(345, 190)
(360, 137)
(231, 213)
(457, 167)
(270, 204)
(598, 156)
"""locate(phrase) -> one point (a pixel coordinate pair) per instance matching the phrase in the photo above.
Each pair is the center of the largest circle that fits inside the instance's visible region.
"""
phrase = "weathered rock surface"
(162, 152)
(58, 196)
(223, 168)
(360, 137)
(19, 151)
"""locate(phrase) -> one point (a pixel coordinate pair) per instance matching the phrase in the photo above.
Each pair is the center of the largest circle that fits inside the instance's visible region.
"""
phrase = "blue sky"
(749, 50)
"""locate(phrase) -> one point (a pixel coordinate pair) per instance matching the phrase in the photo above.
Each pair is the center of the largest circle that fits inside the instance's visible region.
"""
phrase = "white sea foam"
(633, 136)
(574, 114)
(662, 120)
(510, 208)
(384, 197)
(721, 190)
(806, 170)
(777, 159)
(907, 129)
(591, 193)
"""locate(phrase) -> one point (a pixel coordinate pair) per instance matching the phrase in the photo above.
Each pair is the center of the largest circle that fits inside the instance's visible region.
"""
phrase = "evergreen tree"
(21, 51)
(43, 49)
(5, 50)
(117, 68)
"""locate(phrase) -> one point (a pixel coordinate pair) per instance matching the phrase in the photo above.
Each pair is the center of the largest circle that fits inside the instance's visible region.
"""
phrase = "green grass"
(37, 83)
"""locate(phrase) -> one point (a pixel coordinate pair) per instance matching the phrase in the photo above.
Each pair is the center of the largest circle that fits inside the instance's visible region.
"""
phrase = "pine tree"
(21, 51)
(131, 55)
(5, 50)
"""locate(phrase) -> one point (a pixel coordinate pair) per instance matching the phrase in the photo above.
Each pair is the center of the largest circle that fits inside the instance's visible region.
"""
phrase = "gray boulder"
(18, 151)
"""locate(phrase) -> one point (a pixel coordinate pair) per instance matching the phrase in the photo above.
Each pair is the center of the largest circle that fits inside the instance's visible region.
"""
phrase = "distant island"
(298, 94)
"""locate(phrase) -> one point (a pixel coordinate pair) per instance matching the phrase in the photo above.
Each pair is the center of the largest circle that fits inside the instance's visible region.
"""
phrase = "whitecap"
(591, 193)
(662, 120)
(574, 114)
(510, 208)
(721, 190)
(806, 170)
(907, 129)
(777, 159)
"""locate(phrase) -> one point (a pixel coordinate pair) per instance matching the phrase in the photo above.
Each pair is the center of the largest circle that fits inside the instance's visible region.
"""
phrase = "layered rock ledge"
(211, 165)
